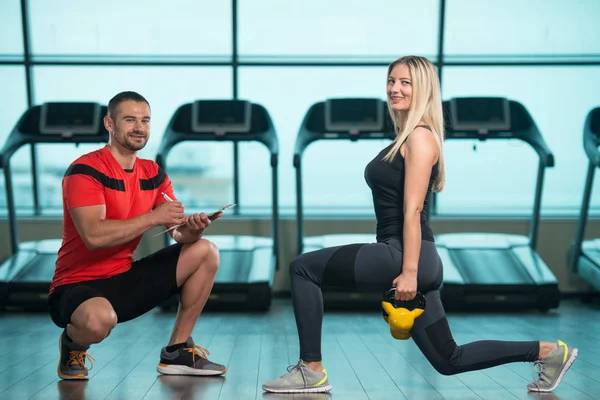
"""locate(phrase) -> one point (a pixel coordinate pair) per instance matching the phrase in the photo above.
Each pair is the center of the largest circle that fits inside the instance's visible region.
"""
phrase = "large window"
(289, 55)
(127, 28)
(531, 28)
(337, 29)
(497, 178)
(11, 44)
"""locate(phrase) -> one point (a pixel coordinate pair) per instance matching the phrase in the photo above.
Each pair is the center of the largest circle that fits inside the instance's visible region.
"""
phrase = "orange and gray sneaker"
(552, 368)
(72, 359)
(188, 359)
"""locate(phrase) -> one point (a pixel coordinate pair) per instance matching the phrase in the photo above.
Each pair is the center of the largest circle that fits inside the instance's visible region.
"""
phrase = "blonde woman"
(405, 255)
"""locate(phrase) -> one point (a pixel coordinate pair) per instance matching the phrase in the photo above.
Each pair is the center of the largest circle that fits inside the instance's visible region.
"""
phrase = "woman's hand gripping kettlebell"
(406, 286)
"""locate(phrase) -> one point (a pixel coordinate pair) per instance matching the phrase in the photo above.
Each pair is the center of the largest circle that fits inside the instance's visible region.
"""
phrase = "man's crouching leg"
(91, 322)
(196, 269)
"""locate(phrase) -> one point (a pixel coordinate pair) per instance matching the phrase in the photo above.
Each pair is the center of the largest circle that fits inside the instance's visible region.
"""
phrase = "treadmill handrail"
(527, 131)
(268, 137)
(523, 128)
(306, 136)
(25, 132)
(173, 136)
(591, 140)
(17, 138)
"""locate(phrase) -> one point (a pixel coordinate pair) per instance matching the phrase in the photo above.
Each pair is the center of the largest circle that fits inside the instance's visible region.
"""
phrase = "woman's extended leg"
(355, 267)
(432, 335)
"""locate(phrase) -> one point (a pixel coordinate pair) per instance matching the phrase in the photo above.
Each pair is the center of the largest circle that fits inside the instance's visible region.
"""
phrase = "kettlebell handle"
(390, 297)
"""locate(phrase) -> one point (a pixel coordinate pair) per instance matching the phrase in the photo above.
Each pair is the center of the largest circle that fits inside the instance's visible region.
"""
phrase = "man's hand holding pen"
(194, 224)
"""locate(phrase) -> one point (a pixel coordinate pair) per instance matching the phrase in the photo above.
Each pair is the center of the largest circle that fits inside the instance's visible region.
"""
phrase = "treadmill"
(25, 276)
(584, 255)
(245, 276)
(350, 119)
(493, 271)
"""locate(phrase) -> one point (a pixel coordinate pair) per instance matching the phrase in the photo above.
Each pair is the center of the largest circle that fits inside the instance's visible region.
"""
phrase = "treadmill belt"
(234, 266)
(490, 267)
(39, 269)
(593, 255)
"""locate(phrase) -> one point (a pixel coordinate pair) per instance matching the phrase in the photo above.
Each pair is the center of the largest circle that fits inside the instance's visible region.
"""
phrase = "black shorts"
(150, 281)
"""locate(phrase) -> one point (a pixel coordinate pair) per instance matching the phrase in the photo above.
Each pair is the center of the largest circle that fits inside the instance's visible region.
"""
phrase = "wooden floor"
(363, 360)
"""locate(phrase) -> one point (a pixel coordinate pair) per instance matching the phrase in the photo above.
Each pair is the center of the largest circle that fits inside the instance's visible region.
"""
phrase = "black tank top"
(386, 180)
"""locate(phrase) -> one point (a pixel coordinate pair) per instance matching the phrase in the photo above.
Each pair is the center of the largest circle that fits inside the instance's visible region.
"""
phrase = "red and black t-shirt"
(97, 178)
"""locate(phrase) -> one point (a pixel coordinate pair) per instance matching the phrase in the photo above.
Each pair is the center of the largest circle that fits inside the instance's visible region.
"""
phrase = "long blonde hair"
(426, 106)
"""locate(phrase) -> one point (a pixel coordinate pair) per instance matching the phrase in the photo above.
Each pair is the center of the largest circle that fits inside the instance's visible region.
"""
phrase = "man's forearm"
(110, 233)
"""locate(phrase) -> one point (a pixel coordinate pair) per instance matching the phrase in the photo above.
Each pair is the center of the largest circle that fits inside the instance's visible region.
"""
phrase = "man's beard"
(131, 145)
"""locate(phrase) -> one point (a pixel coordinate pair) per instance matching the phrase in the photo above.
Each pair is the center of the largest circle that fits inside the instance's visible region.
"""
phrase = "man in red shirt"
(110, 198)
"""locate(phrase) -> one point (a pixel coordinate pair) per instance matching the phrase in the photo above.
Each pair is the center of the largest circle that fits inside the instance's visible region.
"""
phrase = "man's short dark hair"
(114, 103)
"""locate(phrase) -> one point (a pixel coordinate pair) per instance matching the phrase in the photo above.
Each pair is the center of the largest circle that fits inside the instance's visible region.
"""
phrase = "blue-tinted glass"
(11, 35)
(127, 28)
(530, 28)
(13, 88)
(499, 178)
(382, 29)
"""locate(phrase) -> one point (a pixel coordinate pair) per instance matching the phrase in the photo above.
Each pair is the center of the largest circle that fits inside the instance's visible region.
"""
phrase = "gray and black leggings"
(373, 267)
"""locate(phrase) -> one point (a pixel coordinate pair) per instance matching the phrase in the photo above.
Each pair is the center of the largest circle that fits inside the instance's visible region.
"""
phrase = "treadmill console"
(354, 115)
(480, 114)
(221, 116)
(69, 118)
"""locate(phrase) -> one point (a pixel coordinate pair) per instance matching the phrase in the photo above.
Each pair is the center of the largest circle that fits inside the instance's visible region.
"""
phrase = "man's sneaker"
(299, 379)
(191, 360)
(71, 364)
(552, 368)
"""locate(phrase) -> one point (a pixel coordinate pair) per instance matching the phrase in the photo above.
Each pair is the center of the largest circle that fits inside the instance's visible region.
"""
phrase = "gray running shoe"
(191, 360)
(552, 368)
(71, 364)
(299, 379)
(297, 396)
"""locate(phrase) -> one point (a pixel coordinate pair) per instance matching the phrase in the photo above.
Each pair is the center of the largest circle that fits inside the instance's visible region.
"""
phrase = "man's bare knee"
(95, 318)
(211, 251)
(204, 248)
(99, 326)
(201, 255)
(203, 252)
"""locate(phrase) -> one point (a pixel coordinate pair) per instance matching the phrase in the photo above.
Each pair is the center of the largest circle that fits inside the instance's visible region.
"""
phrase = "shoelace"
(538, 367)
(78, 358)
(292, 368)
(198, 351)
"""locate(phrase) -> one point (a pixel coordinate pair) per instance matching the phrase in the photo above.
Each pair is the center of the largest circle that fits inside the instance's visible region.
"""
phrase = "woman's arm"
(420, 153)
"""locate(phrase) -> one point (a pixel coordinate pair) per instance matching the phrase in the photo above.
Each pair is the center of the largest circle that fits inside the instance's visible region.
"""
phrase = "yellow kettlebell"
(401, 315)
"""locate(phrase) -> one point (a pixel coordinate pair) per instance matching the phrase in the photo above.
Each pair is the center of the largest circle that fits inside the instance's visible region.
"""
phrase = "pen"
(166, 196)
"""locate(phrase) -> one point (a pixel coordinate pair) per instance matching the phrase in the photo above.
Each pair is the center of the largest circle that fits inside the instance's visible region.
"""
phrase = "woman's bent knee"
(295, 266)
